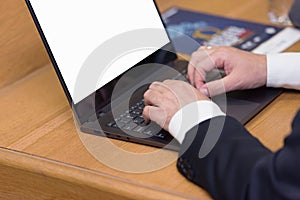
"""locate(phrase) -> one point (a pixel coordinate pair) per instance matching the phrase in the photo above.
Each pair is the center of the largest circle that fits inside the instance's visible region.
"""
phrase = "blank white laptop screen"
(75, 28)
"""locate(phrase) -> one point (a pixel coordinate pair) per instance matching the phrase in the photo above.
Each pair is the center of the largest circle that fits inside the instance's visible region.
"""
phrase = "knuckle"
(147, 94)
(152, 85)
(194, 54)
(167, 82)
(155, 83)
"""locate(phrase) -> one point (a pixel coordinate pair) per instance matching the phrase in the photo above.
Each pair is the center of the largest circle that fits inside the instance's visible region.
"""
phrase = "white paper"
(278, 43)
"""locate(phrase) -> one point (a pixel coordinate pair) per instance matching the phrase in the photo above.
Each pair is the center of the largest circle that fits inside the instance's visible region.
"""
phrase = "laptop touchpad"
(237, 108)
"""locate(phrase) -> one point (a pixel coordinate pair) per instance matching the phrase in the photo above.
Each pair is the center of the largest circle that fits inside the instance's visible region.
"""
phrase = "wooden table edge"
(76, 175)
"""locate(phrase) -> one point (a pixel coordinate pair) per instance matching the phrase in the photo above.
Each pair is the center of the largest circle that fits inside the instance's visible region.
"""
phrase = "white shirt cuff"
(191, 115)
(283, 70)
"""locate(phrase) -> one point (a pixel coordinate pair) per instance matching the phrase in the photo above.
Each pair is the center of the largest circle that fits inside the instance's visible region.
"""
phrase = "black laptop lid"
(119, 34)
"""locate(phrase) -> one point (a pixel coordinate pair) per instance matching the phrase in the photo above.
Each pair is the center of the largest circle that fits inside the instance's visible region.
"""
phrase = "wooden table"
(42, 155)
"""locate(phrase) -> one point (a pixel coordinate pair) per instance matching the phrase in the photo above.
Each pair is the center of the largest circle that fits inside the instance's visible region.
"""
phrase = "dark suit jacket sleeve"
(239, 166)
(294, 13)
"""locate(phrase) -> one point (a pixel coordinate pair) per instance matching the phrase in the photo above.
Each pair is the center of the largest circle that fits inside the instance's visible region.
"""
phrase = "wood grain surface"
(21, 50)
(44, 156)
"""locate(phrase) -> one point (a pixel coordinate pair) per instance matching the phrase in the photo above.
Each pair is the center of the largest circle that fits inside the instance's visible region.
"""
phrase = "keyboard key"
(114, 125)
(161, 135)
(140, 129)
(130, 126)
(132, 108)
(129, 116)
(110, 124)
(137, 112)
(139, 120)
(141, 103)
(152, 130)
(117, 119)
(149, 132)
(134, 116)
(125, 120)
(119, 125)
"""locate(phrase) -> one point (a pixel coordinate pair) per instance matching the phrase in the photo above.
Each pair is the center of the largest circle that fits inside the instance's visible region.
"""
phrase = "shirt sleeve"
(191, 115)
(283, 70)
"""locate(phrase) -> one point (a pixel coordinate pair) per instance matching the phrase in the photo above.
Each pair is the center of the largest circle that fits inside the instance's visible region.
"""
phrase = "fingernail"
(204, 91)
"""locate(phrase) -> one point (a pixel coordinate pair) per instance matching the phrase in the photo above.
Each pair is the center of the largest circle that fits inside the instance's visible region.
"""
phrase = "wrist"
(263, 71)
(191, 115)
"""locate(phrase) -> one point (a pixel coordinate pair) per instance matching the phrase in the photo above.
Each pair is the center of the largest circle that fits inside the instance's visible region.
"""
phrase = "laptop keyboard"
(132, 119)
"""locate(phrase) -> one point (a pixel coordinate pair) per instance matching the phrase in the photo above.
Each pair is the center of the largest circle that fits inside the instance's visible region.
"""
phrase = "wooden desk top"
(42, 155)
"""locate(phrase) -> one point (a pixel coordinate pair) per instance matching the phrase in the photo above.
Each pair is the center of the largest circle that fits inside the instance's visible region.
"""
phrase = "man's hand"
(164, 99)
(244, 70)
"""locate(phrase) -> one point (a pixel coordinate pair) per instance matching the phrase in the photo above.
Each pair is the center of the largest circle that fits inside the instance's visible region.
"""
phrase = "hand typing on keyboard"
(236, 65)
(164, 99)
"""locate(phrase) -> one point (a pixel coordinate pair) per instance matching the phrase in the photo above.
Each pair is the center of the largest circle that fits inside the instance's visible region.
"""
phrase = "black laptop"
(107, 53)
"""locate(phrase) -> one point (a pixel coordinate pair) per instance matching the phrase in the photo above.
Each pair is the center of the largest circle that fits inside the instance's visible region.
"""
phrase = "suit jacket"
(294, 13)
(239, 166)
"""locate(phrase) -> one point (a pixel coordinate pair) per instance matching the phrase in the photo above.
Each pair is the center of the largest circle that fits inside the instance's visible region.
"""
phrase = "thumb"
(217, 87)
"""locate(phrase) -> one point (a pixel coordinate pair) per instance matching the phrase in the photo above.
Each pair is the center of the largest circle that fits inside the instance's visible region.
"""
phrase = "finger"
(202, 62)
(155, 114)
(199, 78)
(206, 65)
(152, 97)
(176, 85)
(195, 58)
(180, 93)
(191, 70)
(158, 87)
(220, 86)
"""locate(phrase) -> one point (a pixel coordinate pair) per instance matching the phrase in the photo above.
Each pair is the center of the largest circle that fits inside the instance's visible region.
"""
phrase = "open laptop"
(106, 53)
